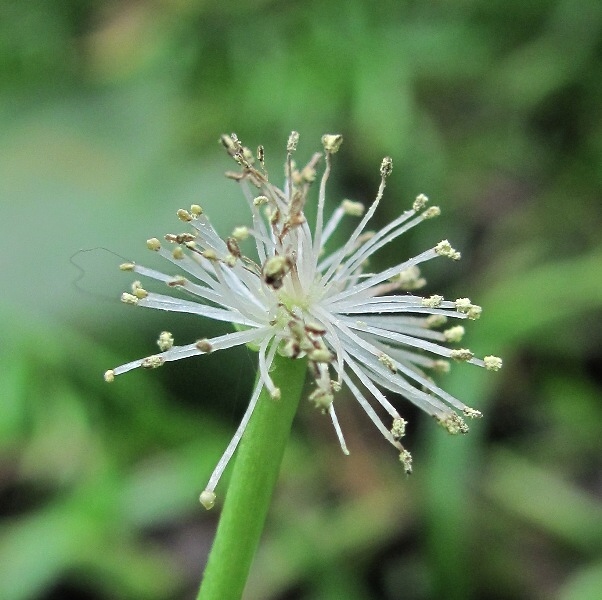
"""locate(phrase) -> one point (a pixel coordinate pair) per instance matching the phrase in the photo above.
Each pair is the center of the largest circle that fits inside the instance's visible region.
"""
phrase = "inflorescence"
(294, 298)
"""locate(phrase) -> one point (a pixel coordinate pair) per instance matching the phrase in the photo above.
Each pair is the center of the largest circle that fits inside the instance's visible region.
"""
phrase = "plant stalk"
(254, 477)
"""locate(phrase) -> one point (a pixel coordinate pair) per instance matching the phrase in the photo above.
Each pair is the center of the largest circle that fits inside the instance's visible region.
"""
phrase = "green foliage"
(490, 108)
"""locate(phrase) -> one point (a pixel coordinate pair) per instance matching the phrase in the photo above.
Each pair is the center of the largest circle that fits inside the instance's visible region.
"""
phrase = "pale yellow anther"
(405, 458)
(432, 301)
(204, 346)
(109, 376)
(431, 212)
(165, 341)
(209, 254)
(472, 413)
(461, 355)
(207, 499)
(140, 293)
(321, 399)
(386, 166)
(420, 202)
(353, 209)
(127, 266)
(433, 321)
(332, 142)
(398, 429)
(465, 306)
(177, 281)
(274, 269)
(386, 360)
(178, 253)
(308, 174)
(320, 355)
(196, 210)
(444, 248)
(454, 424)
(454, 334)
(129, 298)
(474, 312)
(153, 244)
(492, 363)
(184, 215)
(275, 394)
(441, 366)
(336, 386)
(230, 260)
(152, 362)
(240, 233)
(293, 140)
(410, 279)
(315, 328)
(260, 200)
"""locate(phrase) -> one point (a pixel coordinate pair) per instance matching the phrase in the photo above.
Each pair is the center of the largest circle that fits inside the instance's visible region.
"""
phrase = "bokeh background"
(109, 118)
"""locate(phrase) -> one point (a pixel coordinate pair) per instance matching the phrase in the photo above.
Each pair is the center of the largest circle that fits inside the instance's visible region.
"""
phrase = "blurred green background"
(109, 118)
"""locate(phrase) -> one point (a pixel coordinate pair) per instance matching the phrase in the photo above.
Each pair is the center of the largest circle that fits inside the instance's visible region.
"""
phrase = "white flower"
(295, 299)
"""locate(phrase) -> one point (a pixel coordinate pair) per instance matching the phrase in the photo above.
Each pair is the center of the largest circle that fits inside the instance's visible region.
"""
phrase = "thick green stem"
(254, 476)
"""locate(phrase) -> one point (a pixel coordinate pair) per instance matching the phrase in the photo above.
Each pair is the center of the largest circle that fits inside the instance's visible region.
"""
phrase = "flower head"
(296, 297)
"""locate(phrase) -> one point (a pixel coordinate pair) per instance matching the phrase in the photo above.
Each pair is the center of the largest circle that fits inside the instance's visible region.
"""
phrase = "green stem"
(253, 480)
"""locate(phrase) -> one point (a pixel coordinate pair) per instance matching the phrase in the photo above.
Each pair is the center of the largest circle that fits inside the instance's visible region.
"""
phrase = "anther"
(461, 355)
(322, 355)
(420, 202)
(178, 253)
(109, 376)
(386, 166)
(209, 254)
(204, 346)
(465, 306)
(233, 247)
(207, 497)
(444, 248)
(184, 215)
(353, 209)
(293, 140)
(441, 366)
(432, 211)
(152, 362)
(129, 298)
(398, 429)
(472, 413)
(153, 244)
(138, 290)
(433, 321)
(492, 363)
(410, 279)
(315, 328)
(332, 142)
(127, 266)
(165, 341)
(196, 210)
(240, 233)
(454, 334)
(433, 301)
(274, 270)
(405, 458)
(386, 360)
(321, 399)
(176, 281)
(454, 424)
